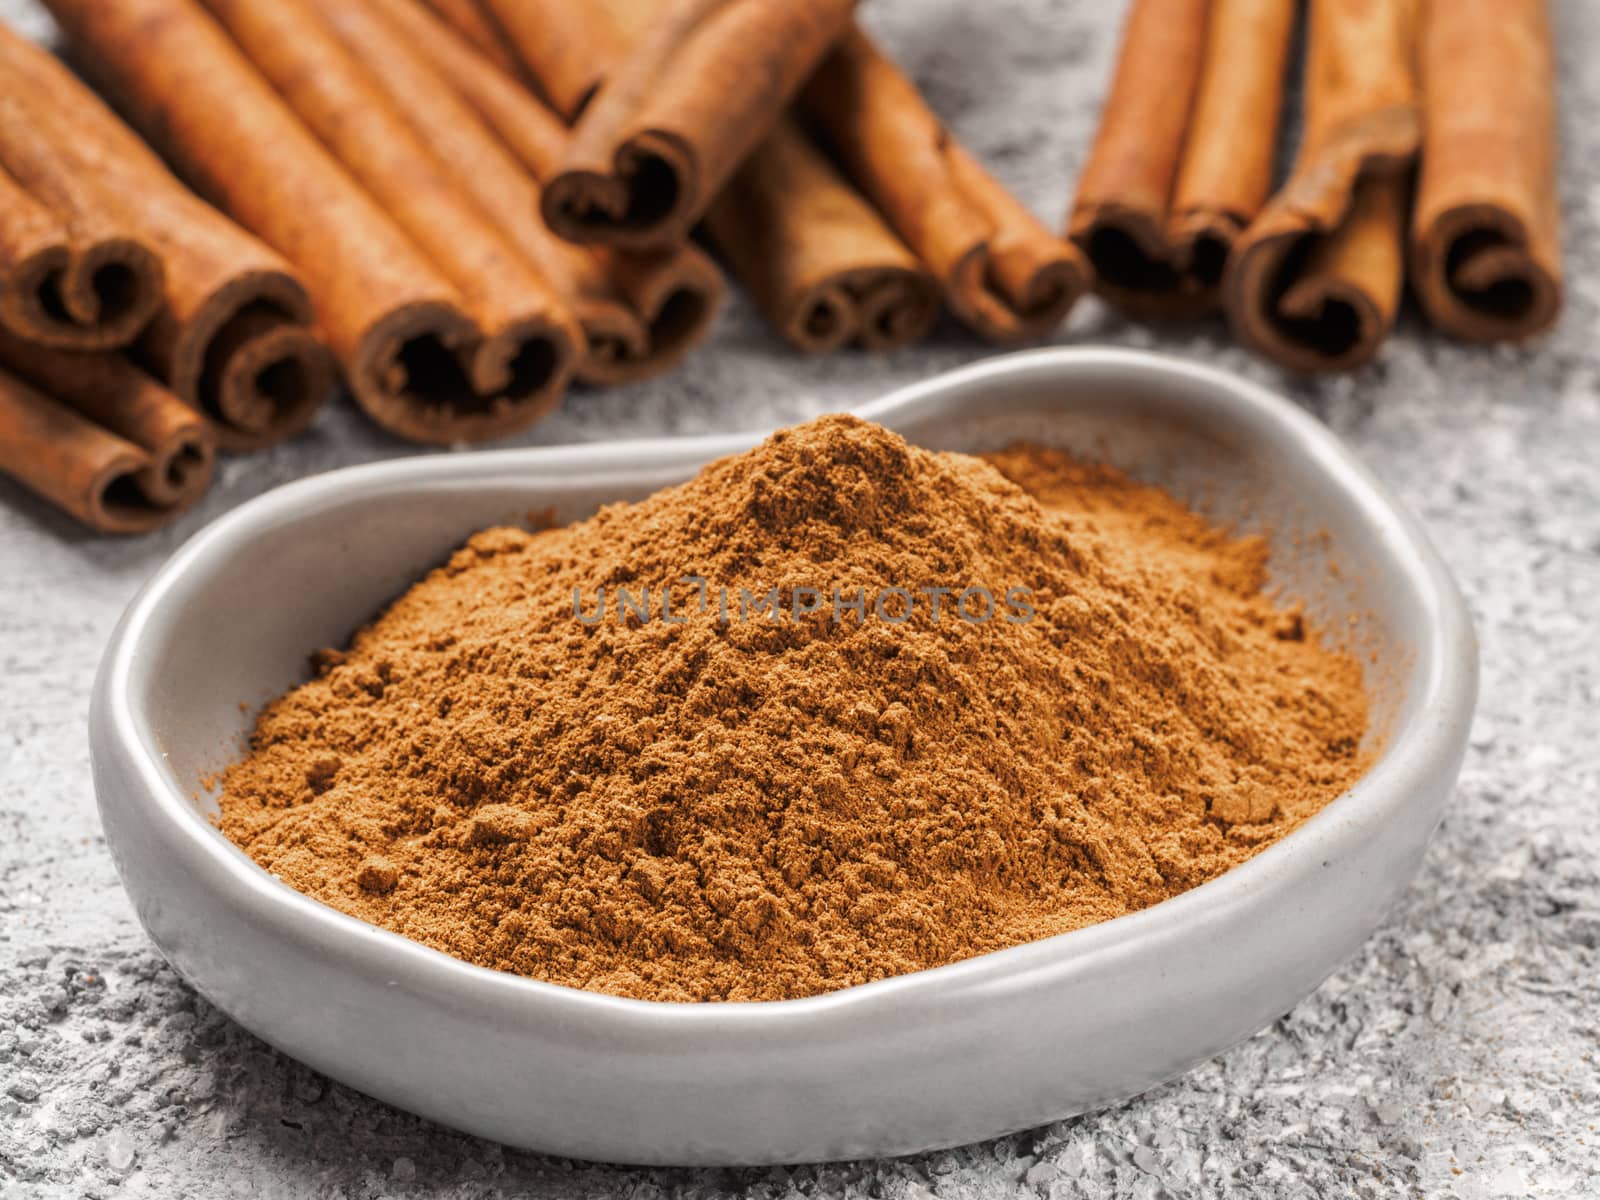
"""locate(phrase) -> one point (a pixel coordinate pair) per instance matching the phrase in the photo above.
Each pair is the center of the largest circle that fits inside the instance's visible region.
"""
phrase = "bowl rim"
(1413, 753)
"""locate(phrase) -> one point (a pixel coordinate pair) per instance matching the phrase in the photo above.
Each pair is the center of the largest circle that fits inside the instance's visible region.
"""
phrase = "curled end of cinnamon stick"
(141, 488)
(1305, 324)
(1202, 240)
(1316, 298)
(179, 472)
(895, 308)
(1139, 270)
(268, 379)
(1479, 278)
(643, 200)
(426, 373)
(96, 298)
(618, 344)
(137, 491)
(672, 299)
(879, 308)
(101, 440)
(1326, 325)
(249, 360)
(1016, 293)
(823, 319)
(120, 498)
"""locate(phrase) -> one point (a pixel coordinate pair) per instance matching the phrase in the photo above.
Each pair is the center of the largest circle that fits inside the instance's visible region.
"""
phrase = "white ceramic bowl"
(993, 1044)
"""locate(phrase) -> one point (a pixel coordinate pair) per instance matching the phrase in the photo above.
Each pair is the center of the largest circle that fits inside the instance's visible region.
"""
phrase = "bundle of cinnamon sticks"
(813, 164)
(460, 207)
(1411, 165)
(140, 330)
(512, 186)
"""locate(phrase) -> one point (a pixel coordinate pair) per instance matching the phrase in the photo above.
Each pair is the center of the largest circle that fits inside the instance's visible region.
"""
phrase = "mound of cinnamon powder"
(519, 766)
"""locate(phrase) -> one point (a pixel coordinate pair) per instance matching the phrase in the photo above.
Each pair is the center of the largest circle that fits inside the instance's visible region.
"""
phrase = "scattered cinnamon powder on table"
(727, 802)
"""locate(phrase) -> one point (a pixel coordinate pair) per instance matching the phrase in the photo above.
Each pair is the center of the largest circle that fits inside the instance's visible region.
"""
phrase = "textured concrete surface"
(1455, 1055)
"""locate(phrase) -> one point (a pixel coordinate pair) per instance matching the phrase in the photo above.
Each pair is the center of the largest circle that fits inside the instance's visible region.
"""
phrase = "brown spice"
(729, 809)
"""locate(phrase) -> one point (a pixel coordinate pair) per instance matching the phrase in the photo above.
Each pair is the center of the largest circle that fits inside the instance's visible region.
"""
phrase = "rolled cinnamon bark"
(422, 359)
(232, 333)
(640, 316)
(701, 85)
(1120, 215)
(1183, 158)
(672, 298)
(1486, 234)
(1002, 272)
(74, 270)
(96, 436)
(818, 260)
(1315, 282)
(35, 257)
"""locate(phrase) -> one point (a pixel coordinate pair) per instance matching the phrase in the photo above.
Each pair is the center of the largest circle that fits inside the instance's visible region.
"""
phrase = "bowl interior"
(304, 567)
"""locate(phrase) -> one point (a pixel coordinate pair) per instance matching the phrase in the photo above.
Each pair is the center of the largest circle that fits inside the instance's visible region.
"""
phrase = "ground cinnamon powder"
(727, 806)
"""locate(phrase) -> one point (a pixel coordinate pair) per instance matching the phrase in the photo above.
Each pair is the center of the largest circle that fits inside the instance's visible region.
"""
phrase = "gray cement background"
(1454, 1056)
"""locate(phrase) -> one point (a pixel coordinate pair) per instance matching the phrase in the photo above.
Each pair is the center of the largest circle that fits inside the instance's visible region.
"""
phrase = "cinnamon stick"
(702, 83)
(1002, 272)
(1315, 282)
(74, 270)
(640, 314)
(1486, 235)
(231, 335)
(818, 260)
(443, 338)
(99, 438)
(1120, 215)
(1233, 134)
